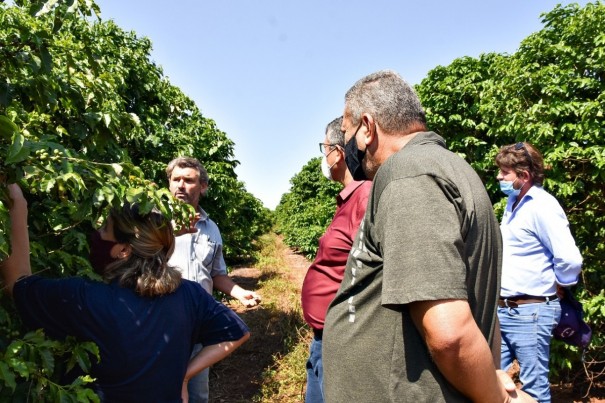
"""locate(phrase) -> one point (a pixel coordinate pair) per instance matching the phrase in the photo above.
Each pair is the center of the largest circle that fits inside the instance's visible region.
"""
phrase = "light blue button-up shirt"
(199, 256)
(539, 250)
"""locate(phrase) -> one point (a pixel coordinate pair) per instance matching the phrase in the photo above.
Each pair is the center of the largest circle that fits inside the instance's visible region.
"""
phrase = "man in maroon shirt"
(326, 272)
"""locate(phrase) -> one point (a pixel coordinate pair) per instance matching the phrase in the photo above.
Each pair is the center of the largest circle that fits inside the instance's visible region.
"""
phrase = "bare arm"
(207, 356)
(17, 265)
(459, 348)
(224, 283)
(212, 354)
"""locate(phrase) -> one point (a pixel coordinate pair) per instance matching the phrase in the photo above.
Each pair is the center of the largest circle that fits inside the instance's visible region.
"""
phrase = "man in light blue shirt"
(198, 251)
(539, 256)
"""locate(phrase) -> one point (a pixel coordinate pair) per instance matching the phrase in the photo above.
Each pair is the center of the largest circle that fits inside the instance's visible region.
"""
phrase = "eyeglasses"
(323, 146)
(521, 146)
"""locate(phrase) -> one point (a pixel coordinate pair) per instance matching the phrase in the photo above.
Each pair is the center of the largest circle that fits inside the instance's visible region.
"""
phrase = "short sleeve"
(421, 242)
(217, 323)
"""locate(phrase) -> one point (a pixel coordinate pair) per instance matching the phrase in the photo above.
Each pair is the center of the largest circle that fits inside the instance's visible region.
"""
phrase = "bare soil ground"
(566, 393)
(239, 378)
(569, 392)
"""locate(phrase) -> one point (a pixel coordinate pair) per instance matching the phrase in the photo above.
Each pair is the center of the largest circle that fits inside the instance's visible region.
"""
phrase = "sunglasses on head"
(521, 146)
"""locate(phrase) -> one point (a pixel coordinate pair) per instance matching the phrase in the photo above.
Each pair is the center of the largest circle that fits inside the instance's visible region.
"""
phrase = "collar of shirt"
(533, 191)
(203, 216)
(347, 191)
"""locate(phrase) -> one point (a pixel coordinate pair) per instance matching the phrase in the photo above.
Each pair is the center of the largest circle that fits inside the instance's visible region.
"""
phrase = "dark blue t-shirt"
(144, 343)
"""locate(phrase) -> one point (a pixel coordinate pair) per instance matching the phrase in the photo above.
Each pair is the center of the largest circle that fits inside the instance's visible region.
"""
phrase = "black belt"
(318, 334)
(513, 302)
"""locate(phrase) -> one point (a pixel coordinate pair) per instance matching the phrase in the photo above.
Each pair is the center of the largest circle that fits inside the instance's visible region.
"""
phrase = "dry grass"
(270, 367)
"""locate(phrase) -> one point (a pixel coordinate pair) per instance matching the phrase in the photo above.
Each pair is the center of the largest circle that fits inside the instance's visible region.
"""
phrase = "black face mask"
(354, 157)
(100, 249)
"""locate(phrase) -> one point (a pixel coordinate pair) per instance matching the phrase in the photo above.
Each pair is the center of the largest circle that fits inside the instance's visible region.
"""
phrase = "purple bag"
(571, 328)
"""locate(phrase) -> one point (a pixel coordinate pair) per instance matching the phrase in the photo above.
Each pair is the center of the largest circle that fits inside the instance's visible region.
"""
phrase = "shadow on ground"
(239, 377)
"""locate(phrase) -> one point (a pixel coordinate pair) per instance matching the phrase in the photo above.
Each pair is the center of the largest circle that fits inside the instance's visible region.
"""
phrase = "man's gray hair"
(388, 98)
(334, 132)
(187, 162)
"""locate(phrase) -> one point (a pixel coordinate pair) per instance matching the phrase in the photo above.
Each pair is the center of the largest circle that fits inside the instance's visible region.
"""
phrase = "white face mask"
(325, 168)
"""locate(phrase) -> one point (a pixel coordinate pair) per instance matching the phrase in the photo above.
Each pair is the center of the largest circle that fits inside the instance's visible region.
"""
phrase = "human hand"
(506, 380)
(249, 298)
(520, 396)
(514, 394)
(185, 392)
(188, 229)
(560, 291)
(15, 195)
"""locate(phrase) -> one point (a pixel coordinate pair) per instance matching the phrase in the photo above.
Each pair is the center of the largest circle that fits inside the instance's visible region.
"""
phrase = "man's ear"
(203, 189)
(525, 176)
(370, 125)
(340, 154)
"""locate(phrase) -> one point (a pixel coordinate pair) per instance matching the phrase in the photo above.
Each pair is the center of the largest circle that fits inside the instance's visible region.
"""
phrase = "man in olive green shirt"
(416, 311)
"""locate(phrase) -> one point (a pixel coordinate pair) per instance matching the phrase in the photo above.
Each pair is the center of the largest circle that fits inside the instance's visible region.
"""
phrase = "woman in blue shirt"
(539, 256)
(144, 318)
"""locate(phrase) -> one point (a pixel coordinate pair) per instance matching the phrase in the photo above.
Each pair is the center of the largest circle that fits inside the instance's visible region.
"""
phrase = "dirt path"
(298, 267)
(239, 377)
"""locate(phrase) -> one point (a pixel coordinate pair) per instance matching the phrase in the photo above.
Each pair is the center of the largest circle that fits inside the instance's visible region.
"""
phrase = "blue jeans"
(315, 373)
(526, 333)
(198, 387)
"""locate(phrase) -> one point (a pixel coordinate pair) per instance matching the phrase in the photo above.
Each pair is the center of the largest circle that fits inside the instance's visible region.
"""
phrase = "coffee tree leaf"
(18, 151)
(7, 128)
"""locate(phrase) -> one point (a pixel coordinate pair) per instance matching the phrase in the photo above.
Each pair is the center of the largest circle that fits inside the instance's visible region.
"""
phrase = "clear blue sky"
(273, 73)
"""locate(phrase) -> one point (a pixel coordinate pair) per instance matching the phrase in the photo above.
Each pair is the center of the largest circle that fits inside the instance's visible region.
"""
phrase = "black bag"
(571, 328)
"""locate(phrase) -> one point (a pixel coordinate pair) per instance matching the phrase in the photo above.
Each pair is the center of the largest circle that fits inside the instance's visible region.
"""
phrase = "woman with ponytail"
(144, 318)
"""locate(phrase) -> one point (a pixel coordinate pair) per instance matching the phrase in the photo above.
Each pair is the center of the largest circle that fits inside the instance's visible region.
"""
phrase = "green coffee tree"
(87, 121)
(304, 213)
(551, 92)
